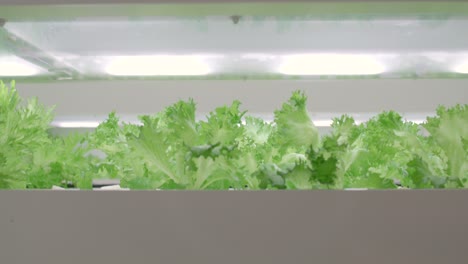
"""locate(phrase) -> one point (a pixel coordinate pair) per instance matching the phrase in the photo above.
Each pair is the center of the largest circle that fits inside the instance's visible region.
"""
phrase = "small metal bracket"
(235, 19)
(34, 55)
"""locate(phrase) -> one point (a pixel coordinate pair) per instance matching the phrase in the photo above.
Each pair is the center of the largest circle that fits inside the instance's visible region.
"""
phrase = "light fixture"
(157, 65)
(330, 64)
(12, 66)
(416, 121)
(323, 123)
(462, 68)
(75, 124)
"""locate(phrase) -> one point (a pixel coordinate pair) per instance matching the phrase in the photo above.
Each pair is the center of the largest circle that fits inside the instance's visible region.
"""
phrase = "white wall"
(336, 96)
(92, 101)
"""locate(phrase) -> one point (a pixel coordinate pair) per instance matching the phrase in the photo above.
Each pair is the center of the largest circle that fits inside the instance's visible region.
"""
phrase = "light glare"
(330, 64)
(17, 67)
(161, 65)
(462, 68)
(77, 124)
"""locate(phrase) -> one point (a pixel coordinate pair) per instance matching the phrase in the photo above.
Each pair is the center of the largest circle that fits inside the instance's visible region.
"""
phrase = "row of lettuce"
(174, 150)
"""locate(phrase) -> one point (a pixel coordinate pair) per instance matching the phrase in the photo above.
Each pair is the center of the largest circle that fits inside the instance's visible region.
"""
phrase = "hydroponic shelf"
(407, 56)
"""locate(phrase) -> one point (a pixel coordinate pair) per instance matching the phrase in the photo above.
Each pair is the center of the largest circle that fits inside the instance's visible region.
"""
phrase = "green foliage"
(174, 150)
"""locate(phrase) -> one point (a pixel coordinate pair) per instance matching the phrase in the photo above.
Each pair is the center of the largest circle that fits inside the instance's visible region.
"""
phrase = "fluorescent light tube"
(462, 68)
(330, 64)
(75, 124)
(158, 65)
(322, 123)
(12, 66)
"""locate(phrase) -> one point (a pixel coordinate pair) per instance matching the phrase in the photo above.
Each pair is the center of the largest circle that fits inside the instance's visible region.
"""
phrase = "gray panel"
(32, 2)
(234, 227)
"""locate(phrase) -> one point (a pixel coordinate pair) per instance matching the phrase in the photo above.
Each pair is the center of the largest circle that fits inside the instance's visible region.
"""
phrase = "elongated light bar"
(94, 124)
(75, 124)
(330, 64)
(157, 65)
(12, 66)
(462, 68)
